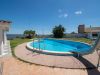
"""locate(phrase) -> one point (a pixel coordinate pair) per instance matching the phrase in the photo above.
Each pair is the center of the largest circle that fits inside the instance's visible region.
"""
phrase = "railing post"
(33, 43)
(39, 44)
(44, 46)
(78, 55)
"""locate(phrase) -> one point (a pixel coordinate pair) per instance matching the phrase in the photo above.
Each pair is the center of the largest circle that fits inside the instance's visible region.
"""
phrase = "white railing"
(2, 48)
(5, 48)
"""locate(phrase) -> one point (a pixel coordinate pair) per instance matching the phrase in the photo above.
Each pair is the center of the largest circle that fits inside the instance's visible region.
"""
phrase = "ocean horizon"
(12, 36)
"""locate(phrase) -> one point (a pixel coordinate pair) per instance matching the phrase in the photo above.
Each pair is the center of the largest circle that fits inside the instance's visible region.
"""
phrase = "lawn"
(85, 40)
(15, 42)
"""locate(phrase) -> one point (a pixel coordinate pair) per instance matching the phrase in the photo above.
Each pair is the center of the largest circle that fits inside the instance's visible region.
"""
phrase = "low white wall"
(1, 41)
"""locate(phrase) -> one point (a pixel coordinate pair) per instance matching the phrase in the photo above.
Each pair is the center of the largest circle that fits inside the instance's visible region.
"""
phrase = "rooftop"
(5, 21)
(92, 29)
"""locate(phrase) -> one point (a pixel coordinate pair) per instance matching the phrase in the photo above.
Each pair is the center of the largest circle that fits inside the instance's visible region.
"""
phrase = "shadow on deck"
(91, 69)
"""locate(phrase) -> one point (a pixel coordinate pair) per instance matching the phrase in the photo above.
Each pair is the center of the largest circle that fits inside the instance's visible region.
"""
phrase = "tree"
(73, 32)
(58, 31)
(29, 34)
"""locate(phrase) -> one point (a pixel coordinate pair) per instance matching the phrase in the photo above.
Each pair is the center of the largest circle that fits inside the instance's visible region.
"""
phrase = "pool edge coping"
(45, 51)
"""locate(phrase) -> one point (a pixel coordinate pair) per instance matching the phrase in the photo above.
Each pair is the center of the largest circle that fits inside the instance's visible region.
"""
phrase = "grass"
(15, 42)
(85, 40)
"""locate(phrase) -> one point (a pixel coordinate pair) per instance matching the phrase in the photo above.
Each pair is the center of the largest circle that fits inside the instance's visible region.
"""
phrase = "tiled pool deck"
(16, 67)
(54, 61)
(12, 66)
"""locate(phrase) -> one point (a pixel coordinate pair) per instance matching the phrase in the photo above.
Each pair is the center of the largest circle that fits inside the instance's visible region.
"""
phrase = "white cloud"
(78, 12)
(65, 15)
(62, 14)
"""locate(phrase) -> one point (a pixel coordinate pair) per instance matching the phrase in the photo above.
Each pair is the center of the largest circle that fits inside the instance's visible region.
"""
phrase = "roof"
(92, 29)
(5, 21)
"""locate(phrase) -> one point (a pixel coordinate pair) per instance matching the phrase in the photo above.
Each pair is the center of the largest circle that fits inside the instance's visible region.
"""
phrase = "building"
(91, 32)
(81, 29)
(4, 45)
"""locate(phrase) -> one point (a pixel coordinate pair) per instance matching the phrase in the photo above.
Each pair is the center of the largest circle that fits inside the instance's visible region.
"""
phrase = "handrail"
(39, 43)
(96, 46)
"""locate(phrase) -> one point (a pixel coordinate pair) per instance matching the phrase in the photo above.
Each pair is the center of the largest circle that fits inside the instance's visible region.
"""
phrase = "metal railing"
(5, 49)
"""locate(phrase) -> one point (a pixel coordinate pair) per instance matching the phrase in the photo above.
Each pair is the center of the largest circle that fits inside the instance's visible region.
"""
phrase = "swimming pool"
(59, 46)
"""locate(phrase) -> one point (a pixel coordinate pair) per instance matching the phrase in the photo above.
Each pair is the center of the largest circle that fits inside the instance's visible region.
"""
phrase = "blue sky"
(43, 15)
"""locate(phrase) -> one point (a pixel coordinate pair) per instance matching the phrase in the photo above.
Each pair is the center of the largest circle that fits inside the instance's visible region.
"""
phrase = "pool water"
(53, 45)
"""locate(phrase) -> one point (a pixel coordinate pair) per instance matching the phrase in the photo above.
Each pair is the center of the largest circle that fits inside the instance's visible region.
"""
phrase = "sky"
(43, 15)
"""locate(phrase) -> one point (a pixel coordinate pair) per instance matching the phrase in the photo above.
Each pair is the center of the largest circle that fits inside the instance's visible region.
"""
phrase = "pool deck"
(68, 62)
(12, 66)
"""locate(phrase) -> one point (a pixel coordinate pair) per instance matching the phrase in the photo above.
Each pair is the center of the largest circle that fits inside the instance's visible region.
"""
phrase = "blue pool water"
(61, 46)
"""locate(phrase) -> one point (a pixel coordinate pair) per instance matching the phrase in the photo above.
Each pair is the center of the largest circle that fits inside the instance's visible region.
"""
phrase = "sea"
(13, 36)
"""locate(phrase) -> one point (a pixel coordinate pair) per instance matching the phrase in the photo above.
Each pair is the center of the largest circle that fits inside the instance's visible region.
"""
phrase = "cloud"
(78, 12)
(65, 15)
(62, 14)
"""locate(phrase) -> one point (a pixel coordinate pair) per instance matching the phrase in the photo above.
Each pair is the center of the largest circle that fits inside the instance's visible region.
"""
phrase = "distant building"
(91, 32)
(81, 29)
